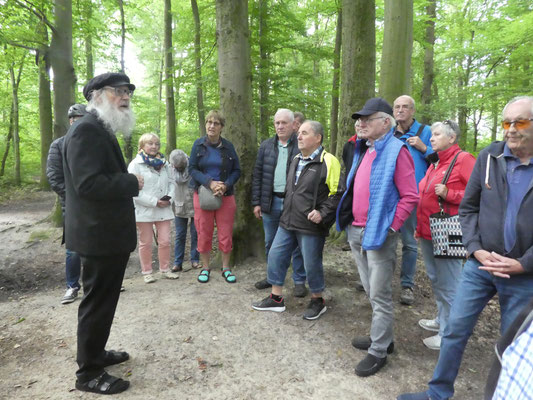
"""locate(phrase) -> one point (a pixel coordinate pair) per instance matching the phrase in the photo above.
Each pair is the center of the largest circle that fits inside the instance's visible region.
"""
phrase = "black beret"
(107, 79)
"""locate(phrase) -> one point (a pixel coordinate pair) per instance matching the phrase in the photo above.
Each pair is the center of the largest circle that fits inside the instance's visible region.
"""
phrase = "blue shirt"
(213, 162)
(519, 178)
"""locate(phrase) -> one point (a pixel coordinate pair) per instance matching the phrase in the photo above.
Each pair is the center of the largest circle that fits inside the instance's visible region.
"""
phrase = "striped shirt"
(304, 161)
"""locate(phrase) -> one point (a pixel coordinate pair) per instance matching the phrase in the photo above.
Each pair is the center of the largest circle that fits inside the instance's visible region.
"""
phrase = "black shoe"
(299, 290)
(370, 365)
(103, 384)
(263, 284)
(315, 309)
(359, 286)
(113, 357)
(364, 342)
(269, 304)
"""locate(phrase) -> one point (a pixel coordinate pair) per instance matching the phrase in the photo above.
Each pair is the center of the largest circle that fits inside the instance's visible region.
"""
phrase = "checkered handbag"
(446, 233)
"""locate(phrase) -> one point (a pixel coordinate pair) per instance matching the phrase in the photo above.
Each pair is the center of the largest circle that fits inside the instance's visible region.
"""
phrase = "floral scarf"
(156, 162)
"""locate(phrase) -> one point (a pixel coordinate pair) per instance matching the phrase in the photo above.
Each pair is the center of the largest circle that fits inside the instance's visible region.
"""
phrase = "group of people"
(397, 173)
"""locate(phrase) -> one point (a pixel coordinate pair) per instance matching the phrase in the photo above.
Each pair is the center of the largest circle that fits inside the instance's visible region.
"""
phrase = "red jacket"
(428, 203)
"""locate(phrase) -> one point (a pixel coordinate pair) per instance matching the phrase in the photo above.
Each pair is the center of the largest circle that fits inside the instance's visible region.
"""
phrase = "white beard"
(114, 119)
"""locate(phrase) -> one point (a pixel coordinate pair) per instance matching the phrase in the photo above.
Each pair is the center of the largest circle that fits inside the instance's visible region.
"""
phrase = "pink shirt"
(404, 180)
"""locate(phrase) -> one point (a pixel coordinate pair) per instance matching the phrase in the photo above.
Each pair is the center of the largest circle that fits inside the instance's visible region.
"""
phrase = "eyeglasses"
(120, 92)
(214, 123)
(366, 121)
(519, 124)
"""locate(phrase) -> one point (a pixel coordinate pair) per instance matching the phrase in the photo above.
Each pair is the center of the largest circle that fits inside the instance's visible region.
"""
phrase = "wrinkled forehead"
(519, 109)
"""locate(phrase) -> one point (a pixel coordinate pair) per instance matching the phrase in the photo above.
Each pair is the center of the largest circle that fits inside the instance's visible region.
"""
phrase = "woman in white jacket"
(153, 205)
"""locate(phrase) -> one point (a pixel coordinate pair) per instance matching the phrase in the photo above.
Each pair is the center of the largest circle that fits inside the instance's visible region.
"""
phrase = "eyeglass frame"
(511, 123)
(120, 92)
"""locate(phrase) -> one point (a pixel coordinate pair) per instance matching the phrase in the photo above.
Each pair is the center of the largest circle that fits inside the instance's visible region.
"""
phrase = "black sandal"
(113, 357)
(228, 275)
(104, 384)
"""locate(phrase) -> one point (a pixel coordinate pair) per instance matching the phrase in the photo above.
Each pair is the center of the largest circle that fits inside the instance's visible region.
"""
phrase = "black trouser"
(102, 278)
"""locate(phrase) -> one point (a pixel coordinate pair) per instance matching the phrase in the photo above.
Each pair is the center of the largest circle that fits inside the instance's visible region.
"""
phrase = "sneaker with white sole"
(315, 309)
(269, 304)
(170, 275)
(433, 342)
(429, 324)
(70, 295)
(149, 278)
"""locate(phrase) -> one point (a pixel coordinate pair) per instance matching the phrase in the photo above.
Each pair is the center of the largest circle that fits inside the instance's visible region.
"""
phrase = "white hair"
(285, 111)
(389, 117)
(516, 99)
(112, 117)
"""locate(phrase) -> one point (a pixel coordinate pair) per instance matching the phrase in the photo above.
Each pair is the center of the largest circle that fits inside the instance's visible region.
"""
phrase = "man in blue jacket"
(496, 219)
(416, 136)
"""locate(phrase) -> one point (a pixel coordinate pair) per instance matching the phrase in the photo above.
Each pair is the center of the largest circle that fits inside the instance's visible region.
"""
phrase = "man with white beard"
(100, 221)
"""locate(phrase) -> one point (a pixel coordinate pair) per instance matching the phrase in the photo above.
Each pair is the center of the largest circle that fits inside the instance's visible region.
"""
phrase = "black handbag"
(446, 233)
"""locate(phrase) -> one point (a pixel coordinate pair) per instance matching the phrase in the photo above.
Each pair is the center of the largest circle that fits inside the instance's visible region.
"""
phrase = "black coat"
(54, 170)
(100, 217)
(265, 166)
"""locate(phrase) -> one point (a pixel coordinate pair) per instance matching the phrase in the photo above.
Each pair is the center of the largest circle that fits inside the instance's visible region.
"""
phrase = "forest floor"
(203, 341)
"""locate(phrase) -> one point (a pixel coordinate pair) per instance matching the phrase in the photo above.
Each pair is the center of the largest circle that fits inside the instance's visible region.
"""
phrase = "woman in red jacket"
(443, 272)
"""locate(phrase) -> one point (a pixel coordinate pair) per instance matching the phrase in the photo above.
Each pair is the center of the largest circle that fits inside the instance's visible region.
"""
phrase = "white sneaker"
(170, 275)
(429, 324)
(149, 278)
(433, 342)
(70, 295)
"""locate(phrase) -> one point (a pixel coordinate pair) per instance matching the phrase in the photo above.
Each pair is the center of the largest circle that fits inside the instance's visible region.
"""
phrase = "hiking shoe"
(315, 309)
(414, 396)
(170, 275)
(70, 295)
(364, 342)
(429, 324)
(299, 290)
(262, 284)
(433, 342)
(369, 365)
(359, 286)
(408, 296)
(346, 247)
(269, 304)
(149, 278)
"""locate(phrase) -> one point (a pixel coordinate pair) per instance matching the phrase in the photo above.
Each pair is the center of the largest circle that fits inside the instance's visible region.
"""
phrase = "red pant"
(205, 223)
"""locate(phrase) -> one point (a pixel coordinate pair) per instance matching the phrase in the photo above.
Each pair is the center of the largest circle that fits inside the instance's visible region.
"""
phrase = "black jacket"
(99, 217)
(265, 167)
(482, 211)
(54, 170)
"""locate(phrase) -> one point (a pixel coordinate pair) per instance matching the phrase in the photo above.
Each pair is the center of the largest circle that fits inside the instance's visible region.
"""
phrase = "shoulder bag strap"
(446, 177)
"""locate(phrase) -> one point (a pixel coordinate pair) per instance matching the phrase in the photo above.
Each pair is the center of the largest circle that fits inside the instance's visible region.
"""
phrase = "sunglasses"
(519, 124)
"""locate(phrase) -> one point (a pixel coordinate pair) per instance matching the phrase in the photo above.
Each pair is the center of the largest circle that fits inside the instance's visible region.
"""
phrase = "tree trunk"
(198, 70)
(395, 76)
(264, 70)
(358, 67)
(89, 60)
(429, 73)
(235, 80)
(169, 81)
(334, 114)
(122, 35)
(9, 137)
(62, 65)
(14, 121)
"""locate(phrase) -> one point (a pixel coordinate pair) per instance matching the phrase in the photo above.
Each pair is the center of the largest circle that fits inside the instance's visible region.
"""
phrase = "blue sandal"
(203, 277)
(228, 276)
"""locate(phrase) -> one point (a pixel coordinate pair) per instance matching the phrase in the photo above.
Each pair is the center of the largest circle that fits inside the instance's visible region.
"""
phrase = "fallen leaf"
(20, 320)
(202, 364)
(16, 346)
(188, 340)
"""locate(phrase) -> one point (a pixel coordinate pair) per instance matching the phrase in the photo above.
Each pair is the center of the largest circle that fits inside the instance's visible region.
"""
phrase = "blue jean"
(476, 288)
(444, 275)
(72, 269)
(409, 251)
(270, 226)
(279, 258)
(181, 236)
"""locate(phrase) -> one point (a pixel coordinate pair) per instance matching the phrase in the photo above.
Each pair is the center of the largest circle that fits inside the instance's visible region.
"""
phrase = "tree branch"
(37, 12)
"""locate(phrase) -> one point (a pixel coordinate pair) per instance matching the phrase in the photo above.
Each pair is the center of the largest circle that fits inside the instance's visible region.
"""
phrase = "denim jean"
(181, 237)
(279, 258)
(270, 226)
(444, 275)
(72, 269)
(476, 288)
(409, 251)
(376, 270)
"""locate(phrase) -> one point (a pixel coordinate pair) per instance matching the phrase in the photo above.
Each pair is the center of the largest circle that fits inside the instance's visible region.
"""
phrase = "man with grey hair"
(100, 222)
(381, 174)
(299, 119)
(416, 136)
(312, 193)
(496, 219)
(268, 189)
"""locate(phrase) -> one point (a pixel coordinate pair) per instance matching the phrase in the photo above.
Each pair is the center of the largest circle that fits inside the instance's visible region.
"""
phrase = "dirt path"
(193, 341)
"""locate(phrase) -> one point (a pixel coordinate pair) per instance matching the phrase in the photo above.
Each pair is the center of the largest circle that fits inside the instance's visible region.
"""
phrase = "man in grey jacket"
(497, 221)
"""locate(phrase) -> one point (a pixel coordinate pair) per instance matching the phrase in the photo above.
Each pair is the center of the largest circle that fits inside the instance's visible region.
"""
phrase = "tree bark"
(358, 66)
(89, 59)
(198, 69)
(169, 81)
(235, 80)
(122, 35)
(264, 70)
(395, 76)
(429, 73)
(334, 114)
(14, 121)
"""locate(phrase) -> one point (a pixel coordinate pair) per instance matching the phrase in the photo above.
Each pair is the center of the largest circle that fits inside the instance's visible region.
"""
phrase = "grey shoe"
(70, 296)
(315, 309)
(359, 286)
(299, 290)
(269, 304)
(262, 284)
(407, 297)
(429, 324)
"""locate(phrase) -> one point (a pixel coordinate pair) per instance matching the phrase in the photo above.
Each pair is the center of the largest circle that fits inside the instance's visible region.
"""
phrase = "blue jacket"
(230, 171)
(384, 195)
(419, 158)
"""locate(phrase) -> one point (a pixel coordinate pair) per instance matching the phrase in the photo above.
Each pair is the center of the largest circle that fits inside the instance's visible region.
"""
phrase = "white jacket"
(156, 185)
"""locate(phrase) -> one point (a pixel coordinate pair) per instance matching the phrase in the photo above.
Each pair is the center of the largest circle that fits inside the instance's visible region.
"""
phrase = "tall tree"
(14, 120)
(198, 69)
(334, 114)
(264, 69)
(169, 81)
(429, 74)
(122, 35)
(395, 76)
(235, 80)
(358, 67)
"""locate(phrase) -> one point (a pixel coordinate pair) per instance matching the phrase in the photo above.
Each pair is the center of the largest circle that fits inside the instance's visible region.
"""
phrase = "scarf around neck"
(156, 162)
